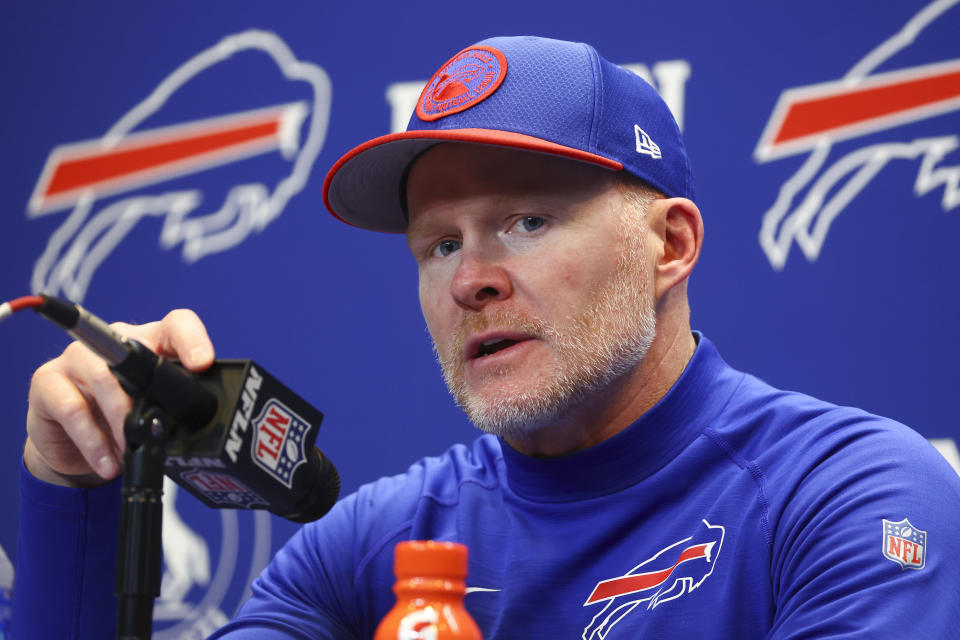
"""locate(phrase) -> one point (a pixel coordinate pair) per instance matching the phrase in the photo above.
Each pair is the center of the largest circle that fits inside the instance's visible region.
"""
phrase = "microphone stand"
(167, 419)
(147, 429)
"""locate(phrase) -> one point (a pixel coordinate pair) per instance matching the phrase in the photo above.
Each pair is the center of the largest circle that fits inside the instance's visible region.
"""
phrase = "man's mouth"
(492, 346)
(481, 347)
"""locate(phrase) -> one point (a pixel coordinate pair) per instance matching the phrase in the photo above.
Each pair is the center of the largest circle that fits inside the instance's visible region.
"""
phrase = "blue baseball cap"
(528, 93)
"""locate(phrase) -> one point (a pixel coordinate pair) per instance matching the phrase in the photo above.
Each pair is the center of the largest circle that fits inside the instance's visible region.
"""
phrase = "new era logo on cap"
(645, 145)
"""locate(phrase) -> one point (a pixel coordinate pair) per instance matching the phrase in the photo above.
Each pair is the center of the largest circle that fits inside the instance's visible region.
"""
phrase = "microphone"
(245, 441)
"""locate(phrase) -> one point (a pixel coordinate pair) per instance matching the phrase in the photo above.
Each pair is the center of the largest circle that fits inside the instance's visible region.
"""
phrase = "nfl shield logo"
(278, 448)
(222, 488)
(905, 544)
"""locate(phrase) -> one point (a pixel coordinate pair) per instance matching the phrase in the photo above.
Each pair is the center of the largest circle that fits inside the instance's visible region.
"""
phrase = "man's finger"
(181, 334)
(100, 386)
(62, 404)
(184, 334)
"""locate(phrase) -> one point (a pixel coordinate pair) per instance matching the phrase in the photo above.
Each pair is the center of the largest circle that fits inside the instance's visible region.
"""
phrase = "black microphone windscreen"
(324, 494)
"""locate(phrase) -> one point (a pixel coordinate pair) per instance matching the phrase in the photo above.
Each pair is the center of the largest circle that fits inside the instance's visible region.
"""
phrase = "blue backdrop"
(824, 138)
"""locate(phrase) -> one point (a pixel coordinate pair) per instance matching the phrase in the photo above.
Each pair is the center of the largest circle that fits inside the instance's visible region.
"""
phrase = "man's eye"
(529, 223)
(446, 247)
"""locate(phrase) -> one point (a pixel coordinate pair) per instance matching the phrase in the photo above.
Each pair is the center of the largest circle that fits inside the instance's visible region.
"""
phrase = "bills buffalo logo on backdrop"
(131, 159)
(111, 183)
(904, 544)
(670, 573)
(816, 117)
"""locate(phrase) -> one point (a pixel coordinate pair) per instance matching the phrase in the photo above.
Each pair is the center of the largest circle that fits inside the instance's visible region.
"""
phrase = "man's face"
(533, 281)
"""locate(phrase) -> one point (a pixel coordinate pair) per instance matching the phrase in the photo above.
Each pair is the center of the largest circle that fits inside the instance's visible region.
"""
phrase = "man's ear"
(677, 228)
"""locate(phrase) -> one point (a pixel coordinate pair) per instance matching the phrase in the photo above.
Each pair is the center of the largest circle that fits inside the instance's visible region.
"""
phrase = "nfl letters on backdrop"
(158, 159)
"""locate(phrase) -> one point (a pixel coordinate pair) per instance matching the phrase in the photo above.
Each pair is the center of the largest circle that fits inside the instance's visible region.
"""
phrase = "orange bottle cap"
(430, 558)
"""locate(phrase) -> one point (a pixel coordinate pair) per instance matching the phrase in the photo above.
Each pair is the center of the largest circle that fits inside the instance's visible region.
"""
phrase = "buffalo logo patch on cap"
(466, 79)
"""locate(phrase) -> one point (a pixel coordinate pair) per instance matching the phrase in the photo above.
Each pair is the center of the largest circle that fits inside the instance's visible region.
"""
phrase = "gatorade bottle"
(430, 587)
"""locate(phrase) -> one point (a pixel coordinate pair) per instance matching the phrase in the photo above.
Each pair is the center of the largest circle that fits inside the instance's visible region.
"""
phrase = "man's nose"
(479, 281)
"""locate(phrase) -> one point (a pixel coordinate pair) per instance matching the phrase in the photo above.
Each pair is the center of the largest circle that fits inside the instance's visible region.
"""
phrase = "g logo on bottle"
(419, 625)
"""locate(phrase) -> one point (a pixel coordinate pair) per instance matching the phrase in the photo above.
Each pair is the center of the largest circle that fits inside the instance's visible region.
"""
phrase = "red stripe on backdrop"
(91, 169)
(825, 113)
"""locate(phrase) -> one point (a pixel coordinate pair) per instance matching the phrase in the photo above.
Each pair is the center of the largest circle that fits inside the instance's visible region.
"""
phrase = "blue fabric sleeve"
(333, 579)
(305, 591)
(67, 554)
(829, 573)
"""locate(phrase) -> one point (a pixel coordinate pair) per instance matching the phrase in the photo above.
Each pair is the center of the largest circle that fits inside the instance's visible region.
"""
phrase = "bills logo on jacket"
(672, 572)
(153, 144)
(815, 119)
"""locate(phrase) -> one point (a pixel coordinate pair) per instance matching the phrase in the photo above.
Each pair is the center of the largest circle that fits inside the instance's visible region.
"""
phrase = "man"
(634, 485)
